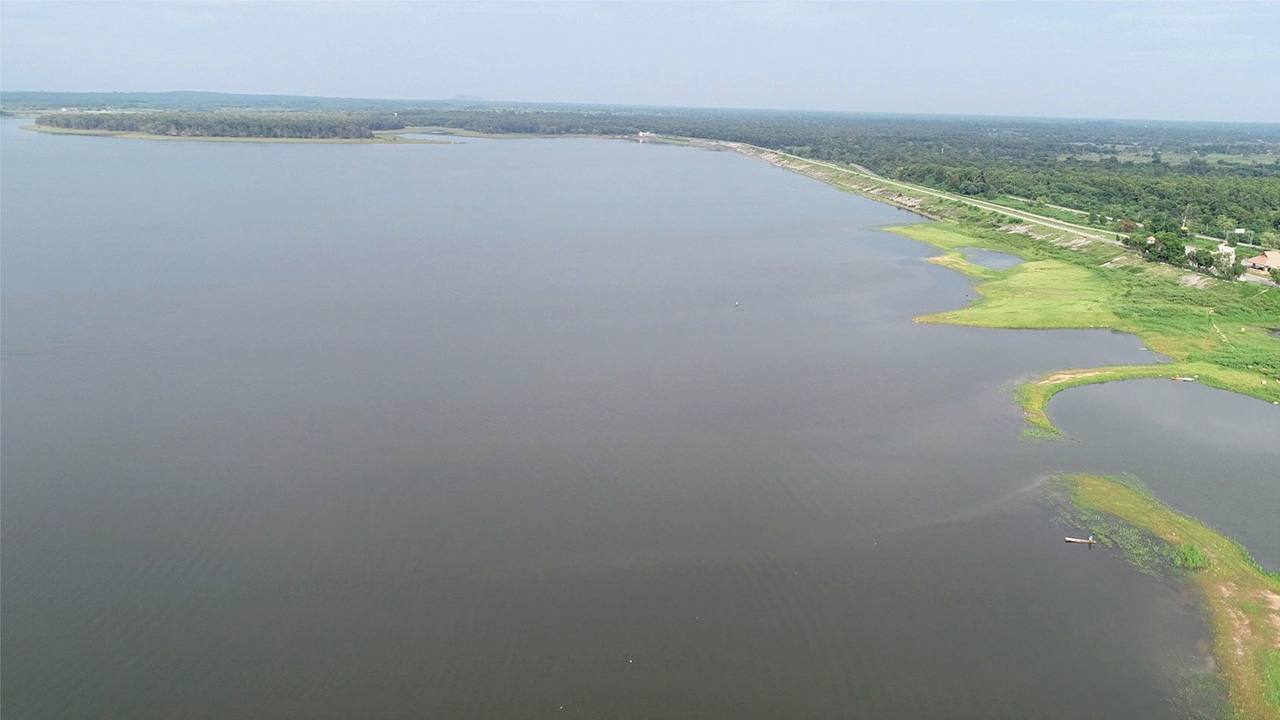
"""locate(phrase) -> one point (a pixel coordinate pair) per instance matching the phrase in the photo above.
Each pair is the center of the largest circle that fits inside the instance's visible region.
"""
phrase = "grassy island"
(1243, 600)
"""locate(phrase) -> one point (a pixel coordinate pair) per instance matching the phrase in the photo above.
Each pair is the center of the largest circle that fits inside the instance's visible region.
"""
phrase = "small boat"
(1183, 379)
(1090, 541)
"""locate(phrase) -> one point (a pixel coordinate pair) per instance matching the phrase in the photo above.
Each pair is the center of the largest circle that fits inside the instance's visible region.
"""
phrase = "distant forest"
(1229, 177)
(316, 126)
(1213, 176)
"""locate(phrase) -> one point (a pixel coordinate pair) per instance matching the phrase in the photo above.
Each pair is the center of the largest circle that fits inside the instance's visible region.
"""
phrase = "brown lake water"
(548, 428)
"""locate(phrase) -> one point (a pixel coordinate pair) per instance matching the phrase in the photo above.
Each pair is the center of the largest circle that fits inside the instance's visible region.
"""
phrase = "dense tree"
(225, 124)
(1168, 248)
(1201, 259)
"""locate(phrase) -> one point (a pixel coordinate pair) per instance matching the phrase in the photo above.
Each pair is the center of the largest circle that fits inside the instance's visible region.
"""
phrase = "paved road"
(1048, 222)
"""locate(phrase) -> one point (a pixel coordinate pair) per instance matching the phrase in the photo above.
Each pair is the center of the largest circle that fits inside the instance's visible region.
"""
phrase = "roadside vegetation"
(1241, 598)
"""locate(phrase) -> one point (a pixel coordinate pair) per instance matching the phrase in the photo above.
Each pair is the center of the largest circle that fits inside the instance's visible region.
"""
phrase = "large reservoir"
(553, 428)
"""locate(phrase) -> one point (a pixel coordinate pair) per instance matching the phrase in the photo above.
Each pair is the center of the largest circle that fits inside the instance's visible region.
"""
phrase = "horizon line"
(463, 98)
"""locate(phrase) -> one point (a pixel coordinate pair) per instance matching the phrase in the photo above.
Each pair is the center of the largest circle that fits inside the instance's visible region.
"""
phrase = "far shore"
(459, 132)
(380, 137)
(398, 136)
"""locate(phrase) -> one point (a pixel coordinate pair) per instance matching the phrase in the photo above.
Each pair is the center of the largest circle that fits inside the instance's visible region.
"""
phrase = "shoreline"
(1073, 278)
(379, 137)
(1059, 286)
(1241, 600)
(1046, 294)
(827, 173)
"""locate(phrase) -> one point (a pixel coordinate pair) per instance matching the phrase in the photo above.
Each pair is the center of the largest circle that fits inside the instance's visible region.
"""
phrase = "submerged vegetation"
(1242, 599)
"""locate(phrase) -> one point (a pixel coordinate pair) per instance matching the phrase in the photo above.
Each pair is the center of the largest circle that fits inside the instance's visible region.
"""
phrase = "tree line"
(1036, 159)
(1086, 165)
(316, 126)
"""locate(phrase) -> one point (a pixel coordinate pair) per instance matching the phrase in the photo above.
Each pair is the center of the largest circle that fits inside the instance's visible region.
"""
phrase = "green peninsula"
(1242, 599)
(1222, 333)
(1218, 333)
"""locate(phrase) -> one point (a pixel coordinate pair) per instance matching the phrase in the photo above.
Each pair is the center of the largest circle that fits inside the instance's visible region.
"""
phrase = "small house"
(1268, 260)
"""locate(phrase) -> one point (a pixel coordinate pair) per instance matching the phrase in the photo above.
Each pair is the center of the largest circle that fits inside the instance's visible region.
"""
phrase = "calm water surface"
(990, 258)
(540, 428)
(1207, 453)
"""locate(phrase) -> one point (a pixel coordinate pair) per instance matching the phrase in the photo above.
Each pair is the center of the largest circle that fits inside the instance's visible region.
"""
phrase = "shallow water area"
(1205, 452)
(518, 428)
(991, 259)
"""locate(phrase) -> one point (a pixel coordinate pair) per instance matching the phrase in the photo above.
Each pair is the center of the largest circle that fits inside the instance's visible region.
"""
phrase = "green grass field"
(1219, 334)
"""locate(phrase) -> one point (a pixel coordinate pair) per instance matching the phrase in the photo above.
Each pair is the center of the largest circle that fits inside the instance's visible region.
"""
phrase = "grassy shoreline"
(1242, 600)
(1214, 332)
(1219, 333)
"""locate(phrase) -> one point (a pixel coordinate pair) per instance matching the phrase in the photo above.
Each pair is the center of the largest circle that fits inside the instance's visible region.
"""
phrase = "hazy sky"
(1177, 61)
